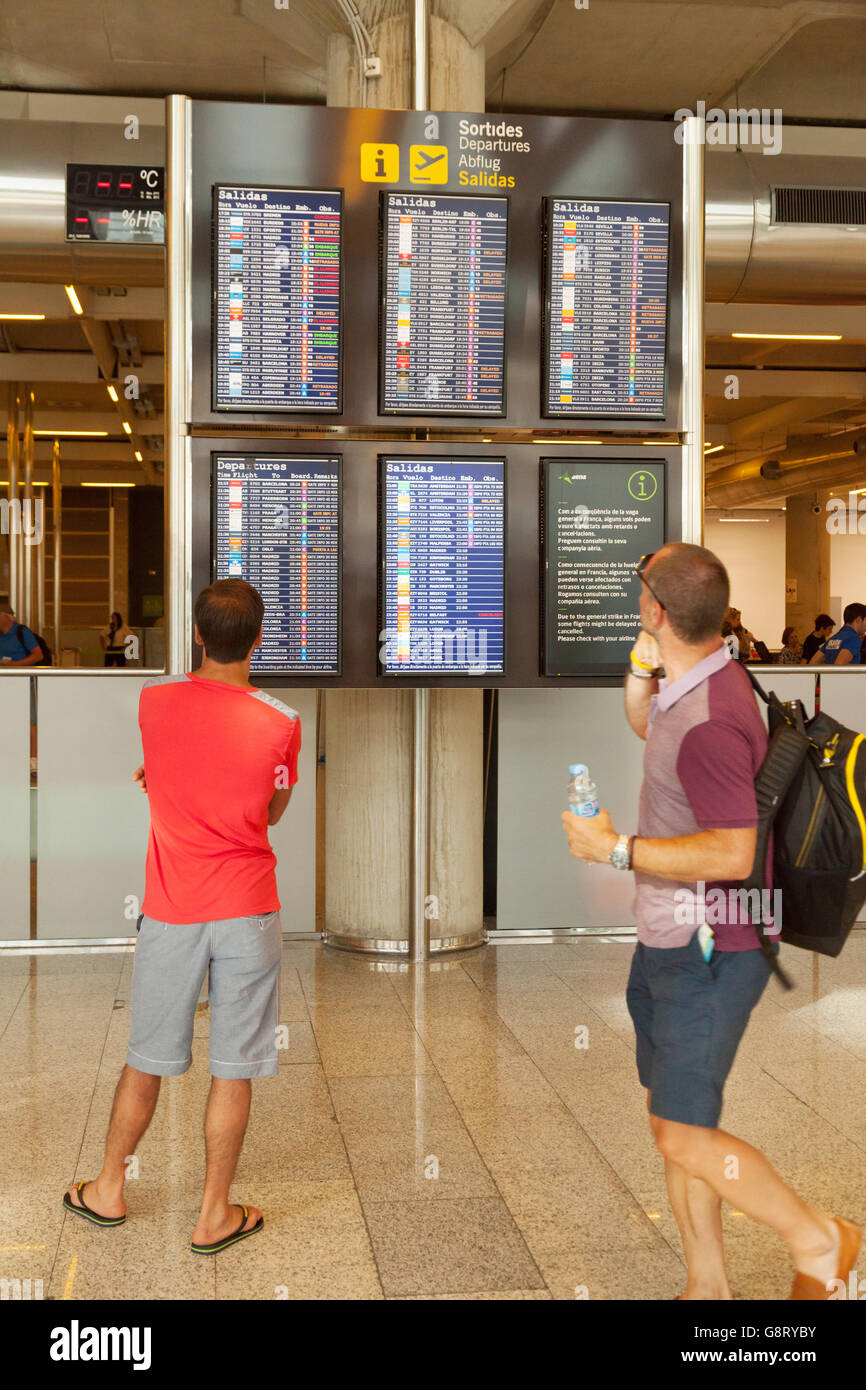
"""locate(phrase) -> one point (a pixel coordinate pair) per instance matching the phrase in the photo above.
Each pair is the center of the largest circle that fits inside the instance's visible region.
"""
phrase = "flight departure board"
(277, 299)
(442, 532)
(442, 331)
(276, 523)
(598, 518)
(606, 308)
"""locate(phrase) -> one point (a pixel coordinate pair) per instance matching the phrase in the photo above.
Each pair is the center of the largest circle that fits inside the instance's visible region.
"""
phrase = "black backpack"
(47, 658)
(811, 794)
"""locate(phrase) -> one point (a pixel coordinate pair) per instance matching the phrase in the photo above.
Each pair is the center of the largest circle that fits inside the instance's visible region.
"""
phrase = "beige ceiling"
(639, 57)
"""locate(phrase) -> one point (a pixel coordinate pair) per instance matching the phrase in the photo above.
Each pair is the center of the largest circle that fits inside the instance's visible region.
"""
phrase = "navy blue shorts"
(689, 1016)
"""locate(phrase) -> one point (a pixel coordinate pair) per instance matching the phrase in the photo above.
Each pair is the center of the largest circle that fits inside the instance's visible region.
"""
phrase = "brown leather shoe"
(808, 1289)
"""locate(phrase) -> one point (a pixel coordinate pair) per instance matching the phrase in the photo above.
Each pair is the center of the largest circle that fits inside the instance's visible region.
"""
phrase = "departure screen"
(607, 279)
(277, 312)
(277, 525)
(599, 518)
(443, 565)
(443, 312)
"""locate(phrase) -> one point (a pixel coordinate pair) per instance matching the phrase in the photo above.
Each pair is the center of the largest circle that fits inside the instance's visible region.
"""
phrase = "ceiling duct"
(778, 228)
(788, 228)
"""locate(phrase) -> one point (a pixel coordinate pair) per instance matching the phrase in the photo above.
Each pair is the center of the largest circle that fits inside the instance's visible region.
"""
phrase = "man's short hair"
(693, 585)
(7, 609)
(229, 616)
(853, 612)
(823, 620)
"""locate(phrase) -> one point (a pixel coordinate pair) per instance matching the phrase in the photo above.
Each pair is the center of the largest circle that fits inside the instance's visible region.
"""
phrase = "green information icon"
(642, 485)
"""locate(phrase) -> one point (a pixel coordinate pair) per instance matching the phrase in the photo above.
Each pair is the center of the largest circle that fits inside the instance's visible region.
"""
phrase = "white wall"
(752, 548)
(848, 568)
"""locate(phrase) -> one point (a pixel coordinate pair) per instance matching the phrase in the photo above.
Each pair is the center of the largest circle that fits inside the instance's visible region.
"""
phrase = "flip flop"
(87, 1212)
(239, 1234)
(808, 1289)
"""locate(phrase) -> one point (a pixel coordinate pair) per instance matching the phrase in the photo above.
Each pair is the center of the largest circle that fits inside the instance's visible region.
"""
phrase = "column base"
(378, 946)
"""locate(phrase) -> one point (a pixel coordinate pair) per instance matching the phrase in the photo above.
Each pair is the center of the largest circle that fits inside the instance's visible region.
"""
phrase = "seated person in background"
(730, 640)
(843, 648)
(745, 639)
(823, 627)
(791, 651)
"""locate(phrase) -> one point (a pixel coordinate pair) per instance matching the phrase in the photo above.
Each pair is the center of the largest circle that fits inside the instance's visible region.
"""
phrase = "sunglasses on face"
(640, 571)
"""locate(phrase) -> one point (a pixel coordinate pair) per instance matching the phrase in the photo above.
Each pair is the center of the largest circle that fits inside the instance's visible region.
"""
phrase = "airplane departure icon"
(428, 163)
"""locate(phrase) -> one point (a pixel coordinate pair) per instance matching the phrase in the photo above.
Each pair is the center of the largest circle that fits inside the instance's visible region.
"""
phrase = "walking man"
(689, 993)
(220, 761)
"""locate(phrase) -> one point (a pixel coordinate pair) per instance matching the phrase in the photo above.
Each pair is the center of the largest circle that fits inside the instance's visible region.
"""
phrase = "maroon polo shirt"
(705, 743)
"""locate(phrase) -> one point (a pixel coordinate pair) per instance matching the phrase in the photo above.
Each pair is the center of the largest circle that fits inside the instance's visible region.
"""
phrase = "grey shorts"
(243, 957)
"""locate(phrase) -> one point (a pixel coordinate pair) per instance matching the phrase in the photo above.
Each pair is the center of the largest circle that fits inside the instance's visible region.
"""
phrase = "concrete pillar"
(807, 561)
(369, 733)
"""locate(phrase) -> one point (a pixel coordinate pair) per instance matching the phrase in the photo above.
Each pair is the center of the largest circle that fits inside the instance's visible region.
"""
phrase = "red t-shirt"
(213, 756)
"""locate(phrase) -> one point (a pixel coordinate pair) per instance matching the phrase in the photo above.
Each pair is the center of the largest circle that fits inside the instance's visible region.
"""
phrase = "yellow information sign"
(428, 163)
(380, 163)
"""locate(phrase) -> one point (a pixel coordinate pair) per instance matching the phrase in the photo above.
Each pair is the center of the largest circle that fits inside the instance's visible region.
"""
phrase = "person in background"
(745, 639)
(220, 762)
(843, 648)
(823, 627)
(792, 650)
(113, 641)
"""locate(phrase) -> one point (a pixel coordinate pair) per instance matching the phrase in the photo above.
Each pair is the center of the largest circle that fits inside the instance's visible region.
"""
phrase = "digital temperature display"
(115, 202)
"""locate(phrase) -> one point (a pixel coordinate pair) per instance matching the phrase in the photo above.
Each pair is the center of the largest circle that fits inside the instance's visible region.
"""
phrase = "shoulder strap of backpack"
(756, 686)
(784, 758)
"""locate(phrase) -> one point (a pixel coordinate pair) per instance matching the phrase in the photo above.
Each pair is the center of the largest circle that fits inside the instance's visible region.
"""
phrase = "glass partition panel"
(15, 807)
(541, 732)
(93, 823)
(92, 820)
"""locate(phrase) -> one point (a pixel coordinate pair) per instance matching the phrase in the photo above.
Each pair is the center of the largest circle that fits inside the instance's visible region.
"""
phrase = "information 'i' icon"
(642, 485)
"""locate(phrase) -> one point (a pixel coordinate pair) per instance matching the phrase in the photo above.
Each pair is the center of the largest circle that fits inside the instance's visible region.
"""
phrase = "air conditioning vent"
(820, 206)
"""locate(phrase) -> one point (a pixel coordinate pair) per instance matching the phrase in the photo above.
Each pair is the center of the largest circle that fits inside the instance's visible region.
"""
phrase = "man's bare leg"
(698, 1213)
(134, 1103)
(811, 1236)
(225, 1123)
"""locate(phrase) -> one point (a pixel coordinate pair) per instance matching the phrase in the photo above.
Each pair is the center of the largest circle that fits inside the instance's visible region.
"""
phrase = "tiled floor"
(434, 1132)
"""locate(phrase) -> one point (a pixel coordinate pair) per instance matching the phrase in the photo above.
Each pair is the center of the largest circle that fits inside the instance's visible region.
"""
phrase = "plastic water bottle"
(582, 791)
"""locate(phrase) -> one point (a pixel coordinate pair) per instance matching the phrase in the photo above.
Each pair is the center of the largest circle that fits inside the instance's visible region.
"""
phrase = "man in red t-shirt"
(220, 761)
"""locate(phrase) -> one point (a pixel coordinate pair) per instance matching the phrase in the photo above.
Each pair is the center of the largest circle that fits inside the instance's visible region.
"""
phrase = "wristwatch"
(620, 855)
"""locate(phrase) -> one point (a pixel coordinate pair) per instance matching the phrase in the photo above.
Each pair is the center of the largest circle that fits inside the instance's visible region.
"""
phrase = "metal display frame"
(684, 368)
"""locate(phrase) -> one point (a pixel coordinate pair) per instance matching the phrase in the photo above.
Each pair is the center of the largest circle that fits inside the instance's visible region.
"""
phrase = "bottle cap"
(578, 769)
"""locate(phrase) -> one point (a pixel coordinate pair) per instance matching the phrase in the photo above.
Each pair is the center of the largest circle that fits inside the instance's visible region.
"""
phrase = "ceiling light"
(79, 434)
(795, 337)
(29, 317)
(112, 393)
(107, 484)
(73, 298)
(127, 426)
(138, 456)
(566, 441)
(35, 481)
(713, 448)
(751, 519)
